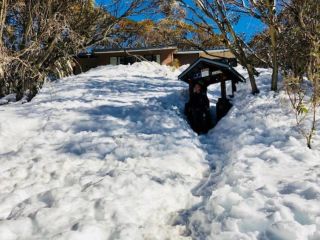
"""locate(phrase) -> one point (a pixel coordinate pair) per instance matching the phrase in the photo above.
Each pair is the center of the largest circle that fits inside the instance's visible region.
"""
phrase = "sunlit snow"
(108, 154)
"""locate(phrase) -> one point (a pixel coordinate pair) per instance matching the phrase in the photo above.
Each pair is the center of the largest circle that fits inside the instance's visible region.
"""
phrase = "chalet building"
(188, 57)
(161, 55)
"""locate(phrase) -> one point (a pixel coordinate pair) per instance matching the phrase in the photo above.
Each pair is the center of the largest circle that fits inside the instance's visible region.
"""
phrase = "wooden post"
(223, 89)
(234, 87)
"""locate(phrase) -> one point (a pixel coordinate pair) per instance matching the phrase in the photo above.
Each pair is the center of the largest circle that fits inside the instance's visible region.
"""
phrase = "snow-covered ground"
(266, 182)
(109, 155)
(7, 99)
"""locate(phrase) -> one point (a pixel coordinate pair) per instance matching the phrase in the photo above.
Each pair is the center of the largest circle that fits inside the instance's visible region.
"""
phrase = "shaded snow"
(108, 155)
(266, 184)
(7, 99)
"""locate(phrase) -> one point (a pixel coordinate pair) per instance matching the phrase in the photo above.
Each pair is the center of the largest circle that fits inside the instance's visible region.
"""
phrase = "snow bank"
(102, 155)
(108, 155)
(266, 181)
(7, 99)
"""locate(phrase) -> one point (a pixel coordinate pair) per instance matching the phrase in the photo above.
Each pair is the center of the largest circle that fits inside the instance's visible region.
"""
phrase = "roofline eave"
(133, 50)
(225, 66)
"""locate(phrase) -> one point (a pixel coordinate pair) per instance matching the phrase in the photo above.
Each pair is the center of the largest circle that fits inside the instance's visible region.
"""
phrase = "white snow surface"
(108, 154)
(7, 99)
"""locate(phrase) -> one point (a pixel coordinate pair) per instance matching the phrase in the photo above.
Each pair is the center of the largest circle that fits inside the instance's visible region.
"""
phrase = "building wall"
(166, 56)
(186, 58)
(100, 59)
(216, 54)
(84, 64)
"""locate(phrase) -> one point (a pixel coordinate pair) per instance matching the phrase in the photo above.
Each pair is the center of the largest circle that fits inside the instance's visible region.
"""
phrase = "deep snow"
(109, 155)
(266, 182)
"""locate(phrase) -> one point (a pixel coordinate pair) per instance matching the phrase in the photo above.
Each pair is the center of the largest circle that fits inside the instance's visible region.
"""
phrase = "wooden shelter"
(209, 71)
(205, 72)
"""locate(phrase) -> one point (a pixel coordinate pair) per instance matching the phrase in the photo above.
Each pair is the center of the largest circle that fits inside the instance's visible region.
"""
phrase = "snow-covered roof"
(201, 51)
(206, 62)
(97, 51)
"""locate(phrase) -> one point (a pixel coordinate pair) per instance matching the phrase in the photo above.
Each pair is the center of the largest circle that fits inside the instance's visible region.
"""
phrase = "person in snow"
(197, 109)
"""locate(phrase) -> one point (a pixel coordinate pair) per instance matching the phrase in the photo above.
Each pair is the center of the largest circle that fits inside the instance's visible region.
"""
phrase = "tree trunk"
(254, 87)
(274, 81)
(27, 26)
(3, 14)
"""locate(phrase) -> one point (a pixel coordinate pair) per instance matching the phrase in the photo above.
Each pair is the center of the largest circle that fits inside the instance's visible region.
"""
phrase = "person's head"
(197, 88)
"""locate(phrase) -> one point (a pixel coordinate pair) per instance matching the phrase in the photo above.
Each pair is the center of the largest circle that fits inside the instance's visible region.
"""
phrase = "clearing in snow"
(108, 154)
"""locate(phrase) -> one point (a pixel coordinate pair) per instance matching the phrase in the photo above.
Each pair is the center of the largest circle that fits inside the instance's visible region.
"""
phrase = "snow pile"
(108, 155)
(102, 155)
(7, 99)
(266, 182)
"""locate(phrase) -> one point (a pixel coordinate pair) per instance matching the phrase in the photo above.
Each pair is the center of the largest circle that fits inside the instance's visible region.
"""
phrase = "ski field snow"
(108, 154)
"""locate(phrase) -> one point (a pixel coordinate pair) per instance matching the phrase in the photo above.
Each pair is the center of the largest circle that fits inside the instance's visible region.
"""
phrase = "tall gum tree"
(215, 17)
(266, 12)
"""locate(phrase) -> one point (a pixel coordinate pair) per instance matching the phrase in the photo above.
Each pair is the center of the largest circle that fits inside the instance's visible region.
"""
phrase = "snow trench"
(262, 182)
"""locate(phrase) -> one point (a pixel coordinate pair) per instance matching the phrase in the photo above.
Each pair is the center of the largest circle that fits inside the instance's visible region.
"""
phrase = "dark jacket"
(198, 112)
(199, 101)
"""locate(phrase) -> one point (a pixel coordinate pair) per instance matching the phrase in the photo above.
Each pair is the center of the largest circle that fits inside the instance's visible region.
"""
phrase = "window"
(113, 61)
(122, 60)
(205, 72)
(153, 58)
(125, 60)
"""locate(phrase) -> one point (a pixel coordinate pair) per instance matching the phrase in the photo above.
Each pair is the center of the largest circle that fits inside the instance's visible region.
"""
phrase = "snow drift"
(265, 183)
(109, 155)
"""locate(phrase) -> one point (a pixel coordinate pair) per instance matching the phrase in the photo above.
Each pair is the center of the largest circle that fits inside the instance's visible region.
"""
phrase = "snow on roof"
(213, 62)
(97, 51)
(201, 51)
(117, 50)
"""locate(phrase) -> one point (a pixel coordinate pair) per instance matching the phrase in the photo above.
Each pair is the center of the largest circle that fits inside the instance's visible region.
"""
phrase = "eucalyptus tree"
(266, 12)
(215, 16)
(39, 38)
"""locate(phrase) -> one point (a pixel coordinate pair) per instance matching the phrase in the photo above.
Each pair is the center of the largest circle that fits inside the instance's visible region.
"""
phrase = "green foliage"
(302, 109)
(175, 63)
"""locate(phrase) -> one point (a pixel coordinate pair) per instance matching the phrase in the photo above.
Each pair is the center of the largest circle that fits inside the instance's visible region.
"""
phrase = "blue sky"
(247, 25)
